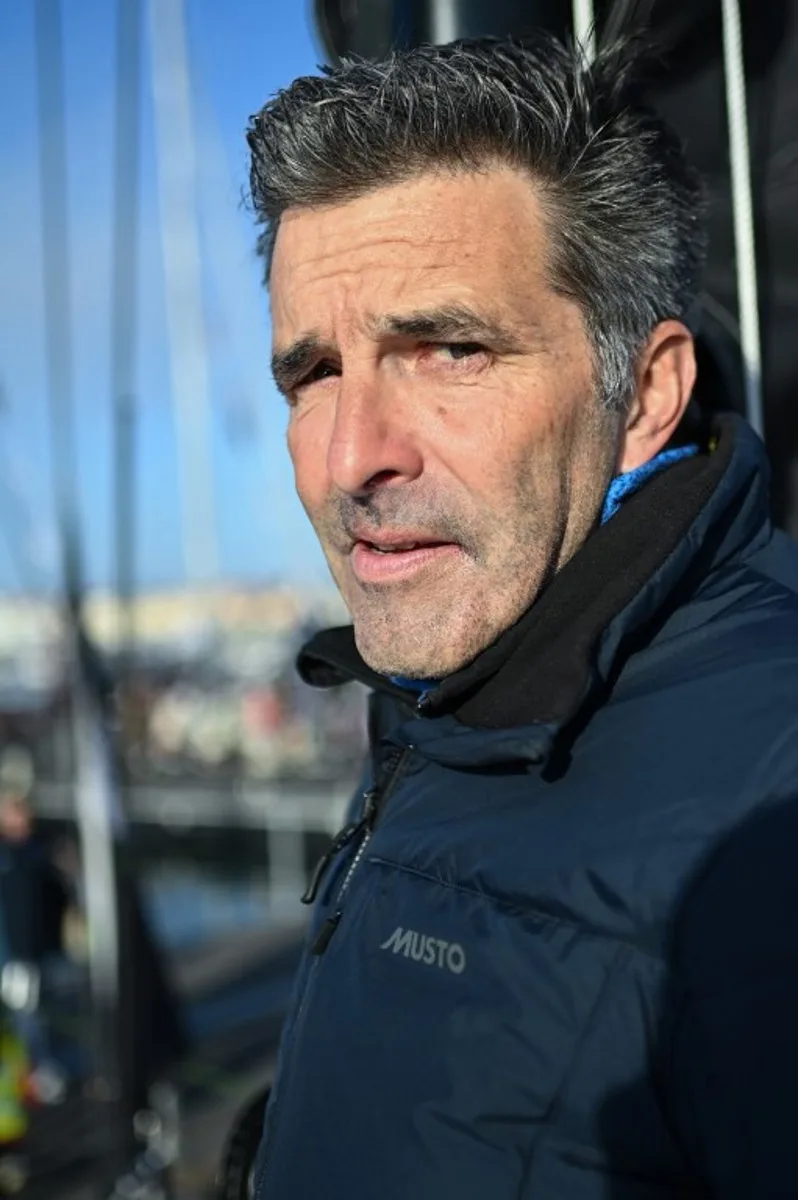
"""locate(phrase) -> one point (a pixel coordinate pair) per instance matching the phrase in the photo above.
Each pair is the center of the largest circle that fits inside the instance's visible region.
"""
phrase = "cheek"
(308, 450)
(524, 465)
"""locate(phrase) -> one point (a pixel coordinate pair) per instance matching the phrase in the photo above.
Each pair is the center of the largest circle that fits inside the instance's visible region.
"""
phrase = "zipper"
(341, 840)
(373, 804)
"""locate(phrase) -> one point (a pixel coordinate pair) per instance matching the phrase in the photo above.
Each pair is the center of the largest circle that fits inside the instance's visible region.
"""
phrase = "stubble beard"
(431, 627)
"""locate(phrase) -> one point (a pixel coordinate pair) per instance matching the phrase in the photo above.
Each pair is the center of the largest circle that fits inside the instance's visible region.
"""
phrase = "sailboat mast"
(180, 242)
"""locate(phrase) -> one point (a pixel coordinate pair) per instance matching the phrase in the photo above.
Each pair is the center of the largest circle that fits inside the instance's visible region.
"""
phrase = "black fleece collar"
(544, 667)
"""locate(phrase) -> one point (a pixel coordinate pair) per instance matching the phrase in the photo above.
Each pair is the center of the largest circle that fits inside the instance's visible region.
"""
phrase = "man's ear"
(665, 376)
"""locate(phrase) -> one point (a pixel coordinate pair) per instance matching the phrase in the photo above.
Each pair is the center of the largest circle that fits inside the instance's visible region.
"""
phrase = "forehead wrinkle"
(402, 267)
(320, 253)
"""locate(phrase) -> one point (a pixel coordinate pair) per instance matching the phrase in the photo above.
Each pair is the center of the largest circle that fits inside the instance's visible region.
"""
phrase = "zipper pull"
(326, 931)
(369, 808)
(347, 834)
(339, 841)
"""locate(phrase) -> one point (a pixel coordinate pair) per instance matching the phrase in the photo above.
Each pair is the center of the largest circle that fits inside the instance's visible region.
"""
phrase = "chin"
(388, 656)
(423, 635)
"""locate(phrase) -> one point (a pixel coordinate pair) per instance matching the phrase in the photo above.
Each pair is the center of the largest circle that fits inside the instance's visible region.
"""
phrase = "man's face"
(446, 439)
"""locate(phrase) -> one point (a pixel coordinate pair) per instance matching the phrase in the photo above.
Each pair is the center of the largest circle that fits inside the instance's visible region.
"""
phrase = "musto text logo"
(430, 950)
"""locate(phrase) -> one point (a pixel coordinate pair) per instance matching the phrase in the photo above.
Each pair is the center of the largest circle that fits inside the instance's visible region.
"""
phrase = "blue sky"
(241, 52)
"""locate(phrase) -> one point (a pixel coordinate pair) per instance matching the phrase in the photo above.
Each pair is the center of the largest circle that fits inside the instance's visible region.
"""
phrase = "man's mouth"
(390, 559)
(399, 547)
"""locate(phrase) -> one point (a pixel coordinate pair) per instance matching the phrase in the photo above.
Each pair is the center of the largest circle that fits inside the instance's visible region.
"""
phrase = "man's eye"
(322, 370)
(460, 350)
(454, 360)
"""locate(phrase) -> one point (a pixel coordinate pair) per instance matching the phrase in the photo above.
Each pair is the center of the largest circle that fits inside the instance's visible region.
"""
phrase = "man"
(554, 954)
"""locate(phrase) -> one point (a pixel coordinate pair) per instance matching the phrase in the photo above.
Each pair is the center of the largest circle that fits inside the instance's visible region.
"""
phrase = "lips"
(389, 540)
(397, 547)
(396, 559)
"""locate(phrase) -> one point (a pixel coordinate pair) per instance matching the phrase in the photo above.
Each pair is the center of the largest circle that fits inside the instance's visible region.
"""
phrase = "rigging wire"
(124, 309)
(57, 283)
(584, 19)
(95, 796)
(743, 209)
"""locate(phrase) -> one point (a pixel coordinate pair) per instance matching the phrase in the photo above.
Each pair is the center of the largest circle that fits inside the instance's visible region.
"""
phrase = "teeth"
(394, 549)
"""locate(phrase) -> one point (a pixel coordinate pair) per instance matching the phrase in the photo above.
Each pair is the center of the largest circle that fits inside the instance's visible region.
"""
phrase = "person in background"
(554, 954)
(37, 979)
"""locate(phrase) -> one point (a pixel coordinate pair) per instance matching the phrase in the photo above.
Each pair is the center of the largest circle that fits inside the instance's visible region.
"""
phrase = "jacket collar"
(628, 576)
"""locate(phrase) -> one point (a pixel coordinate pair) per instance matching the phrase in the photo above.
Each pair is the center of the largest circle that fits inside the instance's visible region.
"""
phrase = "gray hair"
(625, 210)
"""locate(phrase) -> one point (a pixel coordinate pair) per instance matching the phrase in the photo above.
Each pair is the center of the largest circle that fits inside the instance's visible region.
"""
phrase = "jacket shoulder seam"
(772, 581)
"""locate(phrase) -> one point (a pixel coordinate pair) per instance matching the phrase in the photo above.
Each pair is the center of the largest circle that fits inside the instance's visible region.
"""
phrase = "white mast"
(177, 189)
(743, 206)
(584, 19)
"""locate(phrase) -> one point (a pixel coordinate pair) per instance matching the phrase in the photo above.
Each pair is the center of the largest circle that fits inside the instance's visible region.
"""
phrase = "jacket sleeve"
(733, 1061)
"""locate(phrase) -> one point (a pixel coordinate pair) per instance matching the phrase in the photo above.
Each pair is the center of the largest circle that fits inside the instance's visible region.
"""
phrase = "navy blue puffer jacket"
(555, 954)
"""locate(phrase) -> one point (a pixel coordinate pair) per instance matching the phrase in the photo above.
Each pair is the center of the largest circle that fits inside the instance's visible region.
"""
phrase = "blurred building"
(210, 692)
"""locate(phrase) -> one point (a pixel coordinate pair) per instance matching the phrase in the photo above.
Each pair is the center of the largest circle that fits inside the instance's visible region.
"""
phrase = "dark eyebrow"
(289, 365)
(448, 323)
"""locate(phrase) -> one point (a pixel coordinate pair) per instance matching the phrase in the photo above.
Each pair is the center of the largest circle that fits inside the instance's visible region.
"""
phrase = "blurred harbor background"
(157, 576)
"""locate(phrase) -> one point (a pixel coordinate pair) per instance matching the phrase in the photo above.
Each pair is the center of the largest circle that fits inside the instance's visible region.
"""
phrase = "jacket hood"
(631, 573)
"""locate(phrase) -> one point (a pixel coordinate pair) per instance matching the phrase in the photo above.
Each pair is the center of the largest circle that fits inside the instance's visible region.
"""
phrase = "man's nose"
(373, 439)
